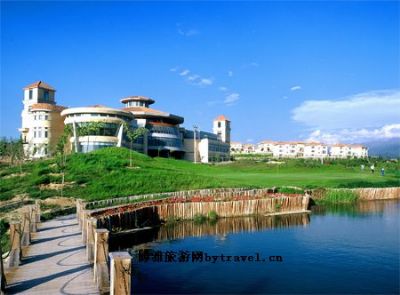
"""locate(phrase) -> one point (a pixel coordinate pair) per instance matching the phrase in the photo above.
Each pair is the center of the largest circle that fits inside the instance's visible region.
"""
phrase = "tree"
(133, 134)
(60, 153)
(90, 128)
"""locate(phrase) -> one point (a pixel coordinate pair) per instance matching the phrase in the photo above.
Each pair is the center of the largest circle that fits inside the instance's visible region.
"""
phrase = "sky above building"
(316, 70)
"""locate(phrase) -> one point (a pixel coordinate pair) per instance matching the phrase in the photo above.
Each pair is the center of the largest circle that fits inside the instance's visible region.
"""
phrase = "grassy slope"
(105, 173)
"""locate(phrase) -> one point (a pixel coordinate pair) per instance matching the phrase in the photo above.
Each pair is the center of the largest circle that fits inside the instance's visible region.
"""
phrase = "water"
(337, 250)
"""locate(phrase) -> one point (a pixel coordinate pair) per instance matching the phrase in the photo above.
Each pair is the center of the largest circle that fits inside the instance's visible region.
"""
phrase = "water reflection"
(220, 228)
(359, 209)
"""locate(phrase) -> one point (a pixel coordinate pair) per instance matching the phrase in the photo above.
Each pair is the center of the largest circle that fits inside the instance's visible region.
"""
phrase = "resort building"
(42, 124)
(313, 150)
(243, 148)
(99, 126)
(348, 151)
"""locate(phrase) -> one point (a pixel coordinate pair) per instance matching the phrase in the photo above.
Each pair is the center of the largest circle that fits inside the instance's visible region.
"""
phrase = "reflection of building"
(98, 126)
(316, 150)
(42, 124)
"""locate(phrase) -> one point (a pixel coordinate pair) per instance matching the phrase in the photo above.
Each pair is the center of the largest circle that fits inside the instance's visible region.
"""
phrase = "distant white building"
(311, 150)
(243, 148)
(348, 151)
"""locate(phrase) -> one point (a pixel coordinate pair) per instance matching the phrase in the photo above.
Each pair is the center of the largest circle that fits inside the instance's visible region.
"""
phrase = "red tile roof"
(144, 110)
(39, 84)
(47, 107)
(221, 118)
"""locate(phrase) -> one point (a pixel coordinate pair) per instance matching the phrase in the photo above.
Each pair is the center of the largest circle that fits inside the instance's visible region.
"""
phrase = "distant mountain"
(389, 148)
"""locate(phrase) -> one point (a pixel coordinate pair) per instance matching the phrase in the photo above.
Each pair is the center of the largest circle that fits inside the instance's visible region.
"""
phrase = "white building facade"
(42, 124)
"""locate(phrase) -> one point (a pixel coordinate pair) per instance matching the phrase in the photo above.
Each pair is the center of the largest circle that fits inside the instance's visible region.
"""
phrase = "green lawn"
(106, 173)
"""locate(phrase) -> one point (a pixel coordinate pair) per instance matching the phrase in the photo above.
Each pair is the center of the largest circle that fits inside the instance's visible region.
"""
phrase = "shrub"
(339, 196)
(199, 218)
(44, 179)
(212, 215)
(290, 190)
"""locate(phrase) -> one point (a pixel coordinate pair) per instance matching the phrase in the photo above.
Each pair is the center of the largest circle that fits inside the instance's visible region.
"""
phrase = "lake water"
(337, 250)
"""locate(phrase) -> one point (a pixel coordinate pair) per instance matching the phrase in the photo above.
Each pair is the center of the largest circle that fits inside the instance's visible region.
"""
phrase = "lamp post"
(195, 128)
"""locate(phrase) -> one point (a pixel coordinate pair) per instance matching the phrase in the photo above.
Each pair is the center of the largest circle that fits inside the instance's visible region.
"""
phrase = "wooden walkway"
(54, 263)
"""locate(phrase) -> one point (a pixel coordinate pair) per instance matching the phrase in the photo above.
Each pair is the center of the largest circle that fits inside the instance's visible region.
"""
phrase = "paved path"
(54, 263)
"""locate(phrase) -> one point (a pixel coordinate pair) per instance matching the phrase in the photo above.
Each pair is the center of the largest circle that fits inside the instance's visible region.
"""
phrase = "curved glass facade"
(97, 128)
(164, 138)
(86, 147)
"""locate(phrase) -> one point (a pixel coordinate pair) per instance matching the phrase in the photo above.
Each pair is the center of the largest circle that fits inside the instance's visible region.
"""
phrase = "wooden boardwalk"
(54, 263)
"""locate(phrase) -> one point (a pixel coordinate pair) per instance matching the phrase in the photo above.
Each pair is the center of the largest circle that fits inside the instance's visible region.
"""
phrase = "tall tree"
(132, 134)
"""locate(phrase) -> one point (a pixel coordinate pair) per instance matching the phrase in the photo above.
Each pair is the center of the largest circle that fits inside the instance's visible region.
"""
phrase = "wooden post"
(101, 274)
(26, 228)
(3, 281)
(120, 275)
(15, 240)
(37, 203)
(32, 218)
(91, 226)
(78, 212)
(84, 225)
(305, 202)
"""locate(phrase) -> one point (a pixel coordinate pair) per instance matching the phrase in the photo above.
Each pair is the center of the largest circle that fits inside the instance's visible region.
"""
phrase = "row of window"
(136, 104)
(164, 142)
(40, 132)
(40, 117)
(40, 150)
(218, 148)
(164, 129)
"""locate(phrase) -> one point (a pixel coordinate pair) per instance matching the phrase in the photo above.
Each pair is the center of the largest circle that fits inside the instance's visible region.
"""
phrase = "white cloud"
(223, 89)
(173, 69)
(231, 98)
(184, 73)
(356, 135)
(366, 110)
(205, 82)
(249, 140)
(230, 73)
(285, 97)
(366, 116)
(186, 32)
(295, 88)
(193, 77)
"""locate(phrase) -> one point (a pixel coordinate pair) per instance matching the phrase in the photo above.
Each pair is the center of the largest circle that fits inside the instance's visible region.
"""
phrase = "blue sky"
(324, 71)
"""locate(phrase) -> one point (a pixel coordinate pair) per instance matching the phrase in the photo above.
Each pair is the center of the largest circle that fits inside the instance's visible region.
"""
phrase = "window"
(30, 93)
(46, 117)
(46, 95)
(46, 133)
(219, 124)
(34, 117)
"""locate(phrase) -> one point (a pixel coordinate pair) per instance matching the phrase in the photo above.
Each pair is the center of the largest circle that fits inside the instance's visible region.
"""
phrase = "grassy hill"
(106, 173)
